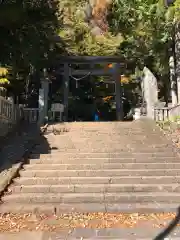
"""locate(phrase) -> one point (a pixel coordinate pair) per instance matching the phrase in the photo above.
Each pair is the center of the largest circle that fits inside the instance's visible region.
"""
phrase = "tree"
(27, 29)
(77, 31)
(3, 78)
(146, 27)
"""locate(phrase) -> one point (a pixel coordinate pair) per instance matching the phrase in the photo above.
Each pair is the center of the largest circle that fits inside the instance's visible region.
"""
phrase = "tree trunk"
(177, 57)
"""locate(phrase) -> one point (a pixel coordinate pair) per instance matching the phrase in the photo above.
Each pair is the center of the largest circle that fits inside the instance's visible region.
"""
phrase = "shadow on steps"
(170, 228)
(18, 148)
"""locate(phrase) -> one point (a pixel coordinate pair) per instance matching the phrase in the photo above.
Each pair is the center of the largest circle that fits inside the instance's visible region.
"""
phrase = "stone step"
(99, 173)
(51, 208)
(95, 188)
(151, 142)
(125, 150)
(133, 197)
(76, 154)
(132, 233)
(96, 166)
(150, 153)
(141, 142)
(126, 233)
(139, 135)
(134, 150)
(75, 160)
(98, 180)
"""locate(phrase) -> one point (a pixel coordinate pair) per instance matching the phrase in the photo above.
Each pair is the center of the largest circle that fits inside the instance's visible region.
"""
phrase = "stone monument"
(150, 91)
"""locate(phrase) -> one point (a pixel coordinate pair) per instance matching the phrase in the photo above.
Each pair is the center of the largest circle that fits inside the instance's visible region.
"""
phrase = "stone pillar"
(41, 106)
(177, 55)
(173, 81)
(43, 98)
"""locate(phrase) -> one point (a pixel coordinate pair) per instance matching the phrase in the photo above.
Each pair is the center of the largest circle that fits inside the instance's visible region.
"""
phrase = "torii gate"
(115, 70)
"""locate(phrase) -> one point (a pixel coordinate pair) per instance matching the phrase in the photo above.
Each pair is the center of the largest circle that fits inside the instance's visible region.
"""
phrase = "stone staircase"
(98, 167)
(109, 167)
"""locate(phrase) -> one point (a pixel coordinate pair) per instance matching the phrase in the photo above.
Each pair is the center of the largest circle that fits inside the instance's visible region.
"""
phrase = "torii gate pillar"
(118, 91)
(66, 90)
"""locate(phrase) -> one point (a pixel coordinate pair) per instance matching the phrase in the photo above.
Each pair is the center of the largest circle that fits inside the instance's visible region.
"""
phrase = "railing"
(161, 113)
(31, 115)
(166, 113)
(10, 115)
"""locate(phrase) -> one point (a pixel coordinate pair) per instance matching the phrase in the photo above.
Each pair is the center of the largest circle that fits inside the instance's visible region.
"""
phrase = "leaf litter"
(34, 222)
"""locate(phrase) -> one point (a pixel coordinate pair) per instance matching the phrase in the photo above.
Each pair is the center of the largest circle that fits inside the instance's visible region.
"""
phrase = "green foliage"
(26, 28)
(77, 33)
(140, 30)
(175, 119)
(4, 81)
(147, 30)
